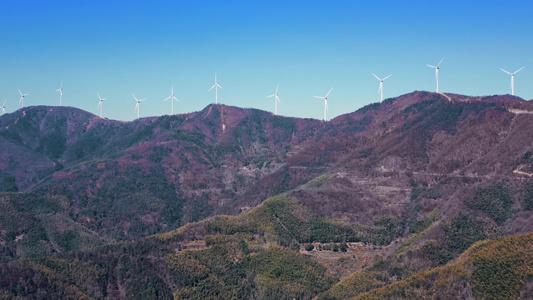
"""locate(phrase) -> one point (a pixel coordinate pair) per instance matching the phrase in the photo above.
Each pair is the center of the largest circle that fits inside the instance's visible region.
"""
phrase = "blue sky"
(119, 47)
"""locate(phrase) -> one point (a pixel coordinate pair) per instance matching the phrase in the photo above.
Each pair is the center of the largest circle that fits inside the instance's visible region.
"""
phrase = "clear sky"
(119, 47)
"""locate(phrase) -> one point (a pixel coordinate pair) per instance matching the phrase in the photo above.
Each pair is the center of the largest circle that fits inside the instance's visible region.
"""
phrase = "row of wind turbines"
(437, 76)
(216, 86)
(172, 98)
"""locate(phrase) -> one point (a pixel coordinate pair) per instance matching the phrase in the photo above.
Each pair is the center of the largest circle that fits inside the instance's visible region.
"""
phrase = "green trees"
(527, 200)
(462, 231)
(9, 184)
(495, 200)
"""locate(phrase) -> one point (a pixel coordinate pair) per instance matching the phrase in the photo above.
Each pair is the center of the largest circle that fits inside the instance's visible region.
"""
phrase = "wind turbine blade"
(506, 71)
(387, 77)
(277, 87)
(218, 85)
(519, 70)
(318, 97)
(20, 92)
(271, 96)
(212, 87)
(440, 62)
(99, 103)
(432, 66)
(376, 77)
(328, 93)
(277, 99)
(170, 97)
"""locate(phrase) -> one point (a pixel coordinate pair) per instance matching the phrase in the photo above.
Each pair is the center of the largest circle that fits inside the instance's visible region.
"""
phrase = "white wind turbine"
(172, 98)
(381, 84)
(100, 104)
(437, 72)
(138, 105)
(4, 107)
(60, 90)
(216, 86)
(276, 99)
(22, 98)
(325, 104)
(512, 78)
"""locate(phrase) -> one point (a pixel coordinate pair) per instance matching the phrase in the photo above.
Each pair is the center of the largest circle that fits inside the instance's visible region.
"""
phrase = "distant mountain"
(187, 166)
(415, 181)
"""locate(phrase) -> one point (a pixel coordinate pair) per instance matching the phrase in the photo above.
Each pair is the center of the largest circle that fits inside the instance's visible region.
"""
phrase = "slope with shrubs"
(35, 226)
(493, 269)
(435, 241)
(254, 255)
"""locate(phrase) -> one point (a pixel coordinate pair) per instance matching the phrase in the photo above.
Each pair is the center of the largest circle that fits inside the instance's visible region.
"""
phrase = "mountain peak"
(398, 173)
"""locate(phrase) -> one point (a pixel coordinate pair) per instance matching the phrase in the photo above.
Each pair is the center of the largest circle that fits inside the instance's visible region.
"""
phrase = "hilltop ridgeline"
(418, 179)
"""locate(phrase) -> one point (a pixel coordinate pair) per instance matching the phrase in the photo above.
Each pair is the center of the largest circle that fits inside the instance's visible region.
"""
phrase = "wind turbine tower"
(512, 78)
(437, 72)
(381, 84)
(325, 104)
(60, 90)
(216, 86)
(22, 98)
(276, 99)
(172, 98)
(100, 104)
(138, 105)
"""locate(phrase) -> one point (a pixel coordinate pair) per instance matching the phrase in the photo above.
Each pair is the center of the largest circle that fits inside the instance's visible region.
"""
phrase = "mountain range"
(421, 196)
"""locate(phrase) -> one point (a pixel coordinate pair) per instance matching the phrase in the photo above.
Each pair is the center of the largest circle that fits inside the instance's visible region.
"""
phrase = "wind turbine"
(216, 86)
(138, 106)
(512, 78)
(4, 107)
(172, 98)
(437, 72)
(276, 99)
(325, 104)
(100, 104)
(22, 98)
(60, 90)
(381, 84)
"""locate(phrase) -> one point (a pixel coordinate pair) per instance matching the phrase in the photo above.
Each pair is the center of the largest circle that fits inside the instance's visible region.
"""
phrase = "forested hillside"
(421, 196)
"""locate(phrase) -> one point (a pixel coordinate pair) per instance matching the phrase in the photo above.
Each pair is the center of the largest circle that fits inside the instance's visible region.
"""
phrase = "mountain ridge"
(420, 178)
(209, 126)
